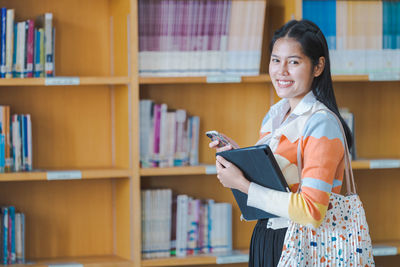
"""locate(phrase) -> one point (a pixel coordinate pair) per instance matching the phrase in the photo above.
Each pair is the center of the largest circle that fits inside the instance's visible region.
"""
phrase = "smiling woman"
(300, 72)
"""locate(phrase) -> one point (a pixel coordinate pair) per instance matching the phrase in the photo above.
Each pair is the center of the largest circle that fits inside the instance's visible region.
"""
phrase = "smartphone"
(214, 135)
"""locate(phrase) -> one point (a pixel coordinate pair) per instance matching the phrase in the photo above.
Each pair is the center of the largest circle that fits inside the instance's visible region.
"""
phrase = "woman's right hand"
(232, 144)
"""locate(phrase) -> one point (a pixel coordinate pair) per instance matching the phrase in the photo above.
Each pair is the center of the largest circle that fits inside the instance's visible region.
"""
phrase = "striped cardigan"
(322, 150)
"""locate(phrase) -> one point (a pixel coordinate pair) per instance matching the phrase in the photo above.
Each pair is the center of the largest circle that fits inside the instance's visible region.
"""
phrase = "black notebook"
(258, 165)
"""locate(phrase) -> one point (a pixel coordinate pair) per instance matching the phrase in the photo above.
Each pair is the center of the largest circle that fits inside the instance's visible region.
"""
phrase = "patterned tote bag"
(343, 237)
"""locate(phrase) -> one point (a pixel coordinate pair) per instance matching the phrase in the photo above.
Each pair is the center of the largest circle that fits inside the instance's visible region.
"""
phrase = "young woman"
(300, 72)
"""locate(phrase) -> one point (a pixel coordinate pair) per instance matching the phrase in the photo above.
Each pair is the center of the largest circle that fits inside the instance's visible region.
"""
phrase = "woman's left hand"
(231, 176)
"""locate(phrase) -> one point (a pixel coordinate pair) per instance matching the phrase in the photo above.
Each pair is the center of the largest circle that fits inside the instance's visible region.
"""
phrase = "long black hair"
(314, 46)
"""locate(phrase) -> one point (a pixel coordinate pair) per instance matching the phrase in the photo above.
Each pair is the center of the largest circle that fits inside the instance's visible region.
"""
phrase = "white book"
(181, 225)
(145, 121)
(181, 153)
(163, 156)
(194, 140)
(29, 160)
(20, 53)
(171, 132)
(16, 143)
(9, 42)
(18, 238)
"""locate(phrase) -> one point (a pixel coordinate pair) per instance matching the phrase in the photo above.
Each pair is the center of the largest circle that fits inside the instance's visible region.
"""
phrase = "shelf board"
(386, 248)
(235, 256)
(69, 80)
(200, 79)
(244, 79)
(187, 170)
(42, 175)
(350, 78)
(381, 248)
(362, 164)
(96, 261)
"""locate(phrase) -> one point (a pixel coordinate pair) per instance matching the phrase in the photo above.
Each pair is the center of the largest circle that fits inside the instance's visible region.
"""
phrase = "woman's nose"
(283, 69)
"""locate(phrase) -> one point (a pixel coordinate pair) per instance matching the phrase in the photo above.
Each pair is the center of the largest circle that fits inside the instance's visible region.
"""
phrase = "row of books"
(12, 237)
(167, 137)
(179, 225)
(15, 141)
(200, 37)
(363, 36)
(26, 47)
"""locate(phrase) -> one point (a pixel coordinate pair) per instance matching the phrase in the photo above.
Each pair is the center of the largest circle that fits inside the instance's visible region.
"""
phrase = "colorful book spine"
(2, 150)
(11, 235)
(3, 18)
(4, 230)
(29, 48)
(9, 42)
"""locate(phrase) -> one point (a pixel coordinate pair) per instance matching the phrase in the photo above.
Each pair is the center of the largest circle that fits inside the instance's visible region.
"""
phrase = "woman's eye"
(293, 62)
(275, 60)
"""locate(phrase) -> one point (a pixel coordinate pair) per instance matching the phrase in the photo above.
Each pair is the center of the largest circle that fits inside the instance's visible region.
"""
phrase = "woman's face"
(291, 71)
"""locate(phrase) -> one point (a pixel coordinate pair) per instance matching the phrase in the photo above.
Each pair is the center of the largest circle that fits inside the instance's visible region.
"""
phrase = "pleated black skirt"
(266, 245)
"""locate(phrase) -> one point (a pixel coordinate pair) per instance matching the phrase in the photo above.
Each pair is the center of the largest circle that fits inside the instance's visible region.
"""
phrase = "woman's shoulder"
(323, 124)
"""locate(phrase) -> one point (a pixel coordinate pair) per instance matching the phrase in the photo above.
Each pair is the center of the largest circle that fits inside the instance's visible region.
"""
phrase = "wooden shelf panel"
(210, 169)
(98, 261)
(381, 248)
(236, 256)
(42, 175)
(244, 79)
(200, 79)
(189, 170)
(70, 80)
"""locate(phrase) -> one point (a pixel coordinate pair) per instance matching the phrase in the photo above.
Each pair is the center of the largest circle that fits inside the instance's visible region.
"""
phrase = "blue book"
(322, 13)
(3, 16)
(4, 230)
(11, 237)
(23, 236)
(2, 152)
(37, 67)
(14, 73)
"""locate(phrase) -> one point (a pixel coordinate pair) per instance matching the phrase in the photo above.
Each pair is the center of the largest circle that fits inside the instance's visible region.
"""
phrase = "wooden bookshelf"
(84, 122)
(237, 108)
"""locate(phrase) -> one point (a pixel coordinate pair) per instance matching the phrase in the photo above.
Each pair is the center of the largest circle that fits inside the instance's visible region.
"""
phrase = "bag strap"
(350, 184)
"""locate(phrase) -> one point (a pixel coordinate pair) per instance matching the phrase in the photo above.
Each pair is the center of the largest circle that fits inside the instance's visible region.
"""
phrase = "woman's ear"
(319, 68)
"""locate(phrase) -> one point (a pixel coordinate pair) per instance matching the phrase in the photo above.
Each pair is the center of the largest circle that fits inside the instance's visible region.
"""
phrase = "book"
(258, 165)
(9, 42)
(3, 12)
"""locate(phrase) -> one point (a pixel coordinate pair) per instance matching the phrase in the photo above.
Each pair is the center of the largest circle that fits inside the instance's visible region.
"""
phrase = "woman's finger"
(223, 161)
(219, 165)
(213, 144)
(224, 148)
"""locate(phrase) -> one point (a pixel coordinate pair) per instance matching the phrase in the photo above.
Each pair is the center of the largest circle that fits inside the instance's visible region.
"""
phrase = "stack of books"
(181, 225)
(167, 137)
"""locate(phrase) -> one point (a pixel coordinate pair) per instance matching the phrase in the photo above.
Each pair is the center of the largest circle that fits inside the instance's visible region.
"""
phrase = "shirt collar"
(305, 104)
